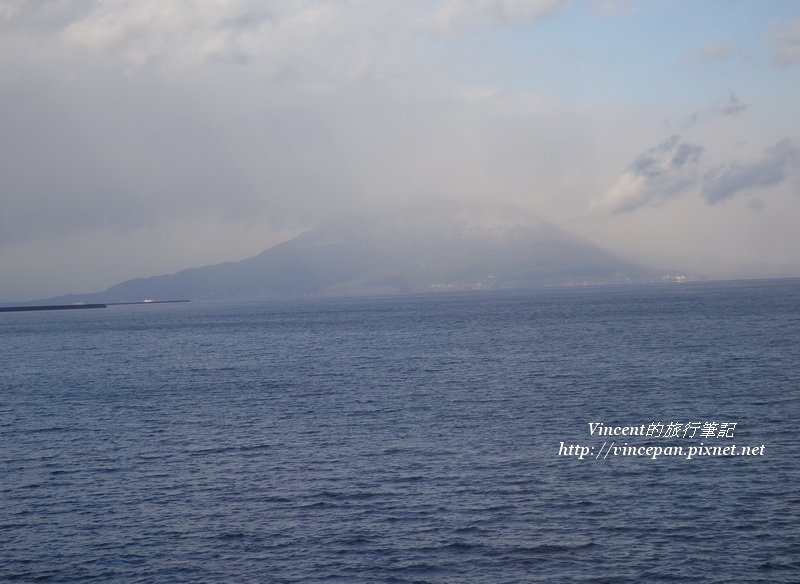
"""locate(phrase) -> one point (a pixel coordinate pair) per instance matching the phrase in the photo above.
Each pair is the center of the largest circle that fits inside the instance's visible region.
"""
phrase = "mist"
(139, 139)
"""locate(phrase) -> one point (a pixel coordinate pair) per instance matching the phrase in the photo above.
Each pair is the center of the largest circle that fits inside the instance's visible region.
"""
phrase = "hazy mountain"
(441, 246)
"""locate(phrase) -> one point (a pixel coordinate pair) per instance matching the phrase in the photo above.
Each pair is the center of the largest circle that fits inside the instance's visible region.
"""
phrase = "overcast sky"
(142, 137)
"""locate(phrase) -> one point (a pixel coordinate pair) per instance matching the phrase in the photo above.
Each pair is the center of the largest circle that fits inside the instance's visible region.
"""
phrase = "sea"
(411, 439)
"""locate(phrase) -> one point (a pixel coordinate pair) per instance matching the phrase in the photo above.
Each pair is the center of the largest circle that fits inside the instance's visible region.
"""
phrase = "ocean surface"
(403, 439)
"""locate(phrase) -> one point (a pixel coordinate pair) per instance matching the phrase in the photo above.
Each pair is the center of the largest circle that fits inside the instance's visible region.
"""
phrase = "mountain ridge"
(442, 246)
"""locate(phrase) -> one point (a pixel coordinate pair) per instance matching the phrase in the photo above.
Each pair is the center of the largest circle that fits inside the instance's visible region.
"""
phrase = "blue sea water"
(403, 439)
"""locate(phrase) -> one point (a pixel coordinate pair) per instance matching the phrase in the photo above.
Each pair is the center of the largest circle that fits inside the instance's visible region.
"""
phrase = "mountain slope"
(443, 246)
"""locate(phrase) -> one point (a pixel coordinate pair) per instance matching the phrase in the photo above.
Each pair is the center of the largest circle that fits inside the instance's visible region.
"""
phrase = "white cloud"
(770, 169)
(296, 38)
(661, 173)
(786, 43)
(9, 8)
(285, 35)
(124, 121)
(673, 168)
(465, 14)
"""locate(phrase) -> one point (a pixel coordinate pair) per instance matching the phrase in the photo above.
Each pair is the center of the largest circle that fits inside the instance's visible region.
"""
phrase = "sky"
(141, 138)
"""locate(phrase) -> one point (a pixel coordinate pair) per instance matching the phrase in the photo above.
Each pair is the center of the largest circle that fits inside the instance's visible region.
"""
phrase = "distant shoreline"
(49, 307)
(147, 302)
(79, 306)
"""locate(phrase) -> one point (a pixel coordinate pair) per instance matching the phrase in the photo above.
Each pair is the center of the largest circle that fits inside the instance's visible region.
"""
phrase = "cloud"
(190, 121)
(9, 8)
(729, 107)
(661, 173)
(732, 106)
(718, 52)
(786, 43)
(284, 36)
(455, 15)
(614, 7)
(673, 168)
(289, 36)
(726, 181)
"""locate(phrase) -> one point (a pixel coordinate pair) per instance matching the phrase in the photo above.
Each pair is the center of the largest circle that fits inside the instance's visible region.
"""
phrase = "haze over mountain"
(444, 245)
(140, 138)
